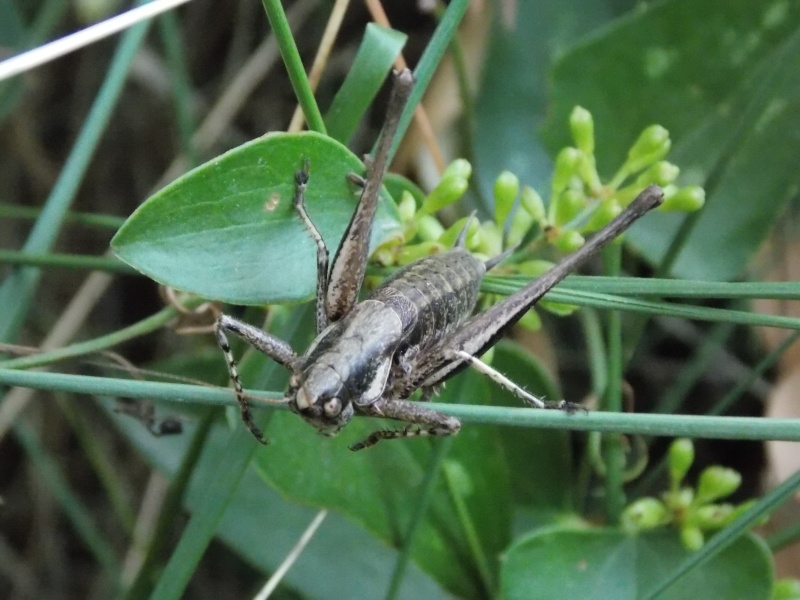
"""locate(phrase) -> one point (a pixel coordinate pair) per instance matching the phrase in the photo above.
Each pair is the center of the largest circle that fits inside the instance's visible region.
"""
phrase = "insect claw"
(568, 407)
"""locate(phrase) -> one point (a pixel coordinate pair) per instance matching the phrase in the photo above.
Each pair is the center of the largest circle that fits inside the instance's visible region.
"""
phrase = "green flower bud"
(489, 239)
(384, 256)
(530, 321)
(558, 308)
(603, 214)
(679, 500)
(692, 538)
(521, 224)
(534, 268)
(652, 145)
(429, 228)
(644, 513)
(662, 173)
(460, 167)
(711, 516)
(506, 187)
(448, 238)
(567, 164)
(716, 482)
(786, 589)
(587, 171)
(742, 508)
(582, 125)
(406, 207)
(448, 191)
(409, 254)
(566, 206)
(569, 240)
(458, 478)
(531, 201)
(681, 457)
(687, 199)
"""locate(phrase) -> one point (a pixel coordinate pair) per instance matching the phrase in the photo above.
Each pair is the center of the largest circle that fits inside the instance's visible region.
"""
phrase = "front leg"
(427, 421)
(301, 181)
(262, 341)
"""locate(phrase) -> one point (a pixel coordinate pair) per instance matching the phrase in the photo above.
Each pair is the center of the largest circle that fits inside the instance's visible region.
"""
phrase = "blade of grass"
(673, 288)
(181, 86)
(730, 534)
(613, 452)
(108, 264)
(428, 63)
(374, 59)
(231, 465)
(170, 510)
(667, 309)
(12, 211)
(424, 498)
(693, 426)
(17, 290)
(294, 65)
(148, 325)
(79, 517)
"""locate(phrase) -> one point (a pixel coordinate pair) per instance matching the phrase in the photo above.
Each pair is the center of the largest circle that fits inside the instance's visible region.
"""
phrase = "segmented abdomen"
(433, 294)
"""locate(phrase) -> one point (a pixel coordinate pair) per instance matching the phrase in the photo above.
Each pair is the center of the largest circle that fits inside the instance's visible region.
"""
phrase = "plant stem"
(744, 428)
(614, 453)
(294, 65)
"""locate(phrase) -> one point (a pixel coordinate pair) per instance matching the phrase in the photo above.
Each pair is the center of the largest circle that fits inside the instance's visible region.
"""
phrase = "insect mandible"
(412, 332)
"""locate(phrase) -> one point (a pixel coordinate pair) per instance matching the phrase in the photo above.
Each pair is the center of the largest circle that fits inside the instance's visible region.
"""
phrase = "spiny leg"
(428, 421)
(262, 341)
(504, 382)
(301, 181)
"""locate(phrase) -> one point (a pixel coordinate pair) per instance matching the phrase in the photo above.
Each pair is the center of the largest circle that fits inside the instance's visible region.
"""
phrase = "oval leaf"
(227, 230)
(583, 563)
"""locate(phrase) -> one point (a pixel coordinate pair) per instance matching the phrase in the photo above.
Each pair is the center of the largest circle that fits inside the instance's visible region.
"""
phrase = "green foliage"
(497, 511)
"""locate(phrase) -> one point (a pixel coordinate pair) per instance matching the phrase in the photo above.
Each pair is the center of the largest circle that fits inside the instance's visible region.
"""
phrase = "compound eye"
(332, 407)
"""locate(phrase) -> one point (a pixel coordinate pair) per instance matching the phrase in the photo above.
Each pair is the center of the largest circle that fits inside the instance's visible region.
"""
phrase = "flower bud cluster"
(579, 203)
(693, 511)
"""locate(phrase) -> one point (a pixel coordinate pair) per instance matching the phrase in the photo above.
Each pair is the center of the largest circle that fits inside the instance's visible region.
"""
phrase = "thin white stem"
(293, 555)
(74, 41)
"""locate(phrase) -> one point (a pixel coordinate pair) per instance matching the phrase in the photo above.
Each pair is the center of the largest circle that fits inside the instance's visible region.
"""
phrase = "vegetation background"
(83, 487)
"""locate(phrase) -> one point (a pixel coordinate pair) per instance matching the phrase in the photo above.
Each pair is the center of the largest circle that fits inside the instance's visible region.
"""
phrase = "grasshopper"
(411, 333)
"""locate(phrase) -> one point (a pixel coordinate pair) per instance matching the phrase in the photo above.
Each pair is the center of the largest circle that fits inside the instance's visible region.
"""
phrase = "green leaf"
(592, 563)
(723, 78)
(513, 94)
(540, 462)
(374, 59)
(262, 527)
(379, 488)
(228, 231)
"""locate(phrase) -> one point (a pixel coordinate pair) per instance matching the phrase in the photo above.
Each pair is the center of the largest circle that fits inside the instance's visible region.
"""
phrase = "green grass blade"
(373, 60)
(693, 426)
(429, 62)
(80, 518)
(671, 288)
(231, 465)
(294, 65)
(109, 264)
(18, 289)
(730, 534)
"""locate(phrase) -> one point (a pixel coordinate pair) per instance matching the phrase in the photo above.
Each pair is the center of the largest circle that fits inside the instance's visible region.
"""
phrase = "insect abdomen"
(433, 294)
